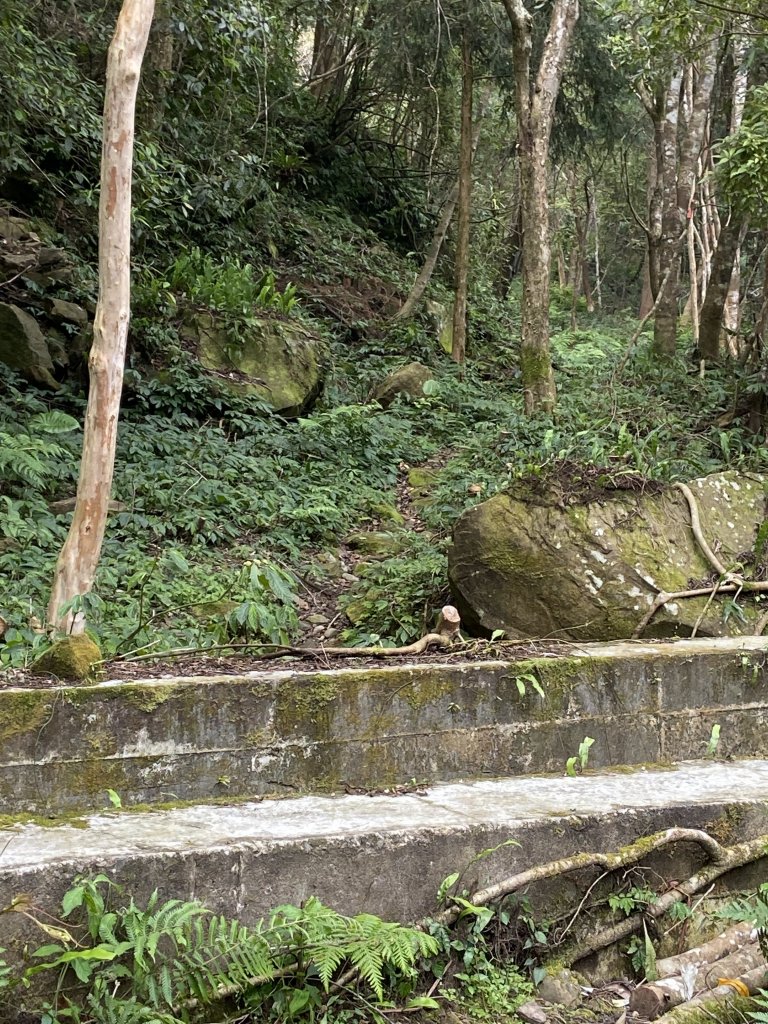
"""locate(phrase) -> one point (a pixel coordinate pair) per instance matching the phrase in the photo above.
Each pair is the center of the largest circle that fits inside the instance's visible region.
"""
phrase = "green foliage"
(416, 575)
(578, 764)
(226, 286)
(172, 962)
(742, 167)
(628, 901)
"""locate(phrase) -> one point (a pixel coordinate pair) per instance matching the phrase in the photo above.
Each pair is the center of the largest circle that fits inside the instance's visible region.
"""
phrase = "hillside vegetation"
(262, 200)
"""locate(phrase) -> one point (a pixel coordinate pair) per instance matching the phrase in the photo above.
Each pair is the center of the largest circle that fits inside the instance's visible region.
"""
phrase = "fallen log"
(653, 999)
(708, 952)
(706, 1003)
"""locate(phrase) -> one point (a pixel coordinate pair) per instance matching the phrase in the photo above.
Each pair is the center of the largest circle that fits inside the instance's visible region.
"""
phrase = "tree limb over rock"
(729, 582)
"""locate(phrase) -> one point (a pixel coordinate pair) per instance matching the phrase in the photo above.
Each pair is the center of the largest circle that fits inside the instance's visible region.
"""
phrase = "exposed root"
(445, 635)
(629, 855)
(729, 582)
(729, 858)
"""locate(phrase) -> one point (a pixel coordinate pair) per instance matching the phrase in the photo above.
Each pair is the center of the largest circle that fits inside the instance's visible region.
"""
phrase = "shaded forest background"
(297, 163)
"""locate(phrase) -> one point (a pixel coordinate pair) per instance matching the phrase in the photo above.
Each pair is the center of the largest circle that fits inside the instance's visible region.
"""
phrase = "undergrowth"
(119, 961)
(225, 507)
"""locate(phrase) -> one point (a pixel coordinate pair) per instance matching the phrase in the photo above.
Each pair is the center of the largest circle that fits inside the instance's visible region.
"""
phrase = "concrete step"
(274, 733)
(383, 854)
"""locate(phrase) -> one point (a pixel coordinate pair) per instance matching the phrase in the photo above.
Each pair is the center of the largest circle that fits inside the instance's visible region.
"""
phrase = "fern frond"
(369, 964)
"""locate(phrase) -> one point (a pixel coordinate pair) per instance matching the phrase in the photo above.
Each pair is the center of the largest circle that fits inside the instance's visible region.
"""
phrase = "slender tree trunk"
(79, 557)
(681, 147)
(158, 69)
(672, 219)
(717, 291)
(461, 270)
(534, 104)
(732, 311)
(416, 293)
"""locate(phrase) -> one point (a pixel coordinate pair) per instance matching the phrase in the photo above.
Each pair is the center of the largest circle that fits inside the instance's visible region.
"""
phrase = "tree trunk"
(158, 70)
(78, 560)
(668, 253)
(717, 291)
(682, 139)
(534, 105)
(416, 293)
(461, 270)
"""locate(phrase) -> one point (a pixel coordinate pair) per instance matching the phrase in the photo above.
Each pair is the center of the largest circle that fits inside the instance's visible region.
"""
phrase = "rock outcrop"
(591, 571)
(278, 360)
(23, 347)
(407, 380)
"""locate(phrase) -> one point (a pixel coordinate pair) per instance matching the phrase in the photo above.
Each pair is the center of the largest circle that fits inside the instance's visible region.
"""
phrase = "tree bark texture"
(713, 305)
(680, 139)
(464, 204)
(534, 105)
(78, 560)
(416, 293)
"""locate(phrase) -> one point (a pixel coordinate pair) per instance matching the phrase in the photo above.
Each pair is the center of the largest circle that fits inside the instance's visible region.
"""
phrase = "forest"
(386, 264)
(353, 329)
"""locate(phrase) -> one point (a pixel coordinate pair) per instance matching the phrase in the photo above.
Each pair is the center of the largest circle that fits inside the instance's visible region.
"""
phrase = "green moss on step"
(24, 712)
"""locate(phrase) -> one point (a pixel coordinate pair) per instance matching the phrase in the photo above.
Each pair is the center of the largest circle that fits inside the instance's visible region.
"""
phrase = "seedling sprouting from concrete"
(714, 740)
(576, 765)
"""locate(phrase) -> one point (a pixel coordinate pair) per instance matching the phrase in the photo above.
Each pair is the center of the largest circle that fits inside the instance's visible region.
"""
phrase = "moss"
(70, 657)
(259, 738)
(149, 696)
(23, 712)
(422, 479)
(388, 512)
(727, 828)
(306, 702)
(11, 821)
(535, 365)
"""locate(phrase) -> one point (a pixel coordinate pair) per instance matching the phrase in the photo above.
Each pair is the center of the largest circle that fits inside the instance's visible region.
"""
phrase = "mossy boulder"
(441, 314)
(276, 359)
(23, 347)
(378, 543)
(71, 657)
(408, 380)
(591, 571)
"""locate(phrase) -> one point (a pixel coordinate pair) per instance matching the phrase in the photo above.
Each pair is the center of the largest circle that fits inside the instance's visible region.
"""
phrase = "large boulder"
(591, 571)
(278, 360)
(23, 347)
(407, 380)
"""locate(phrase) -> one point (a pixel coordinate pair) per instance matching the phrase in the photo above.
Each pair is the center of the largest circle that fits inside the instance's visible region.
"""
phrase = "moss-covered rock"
(23, 347)
(408, 380)
(377, 542)
(71, 657)
(276, 359)
(590, 572)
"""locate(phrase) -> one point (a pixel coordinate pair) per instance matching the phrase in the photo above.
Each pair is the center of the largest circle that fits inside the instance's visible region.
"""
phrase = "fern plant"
(168, 962)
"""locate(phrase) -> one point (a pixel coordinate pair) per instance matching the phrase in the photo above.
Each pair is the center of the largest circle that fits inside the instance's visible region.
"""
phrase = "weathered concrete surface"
(384, 855)
(276, 733)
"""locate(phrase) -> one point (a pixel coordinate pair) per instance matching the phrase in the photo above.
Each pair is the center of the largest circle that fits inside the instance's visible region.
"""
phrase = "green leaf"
(54, 422)
(422, 1003)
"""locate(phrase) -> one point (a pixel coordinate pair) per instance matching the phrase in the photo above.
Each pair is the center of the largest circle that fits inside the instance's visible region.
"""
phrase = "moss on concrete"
(23, 712)
(149, 696)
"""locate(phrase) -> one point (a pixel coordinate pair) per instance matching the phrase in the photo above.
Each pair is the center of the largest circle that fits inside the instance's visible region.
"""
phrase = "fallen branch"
(445, 635)
(729, 582)
(706, 1002)
(721, 946)
(653, 999)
